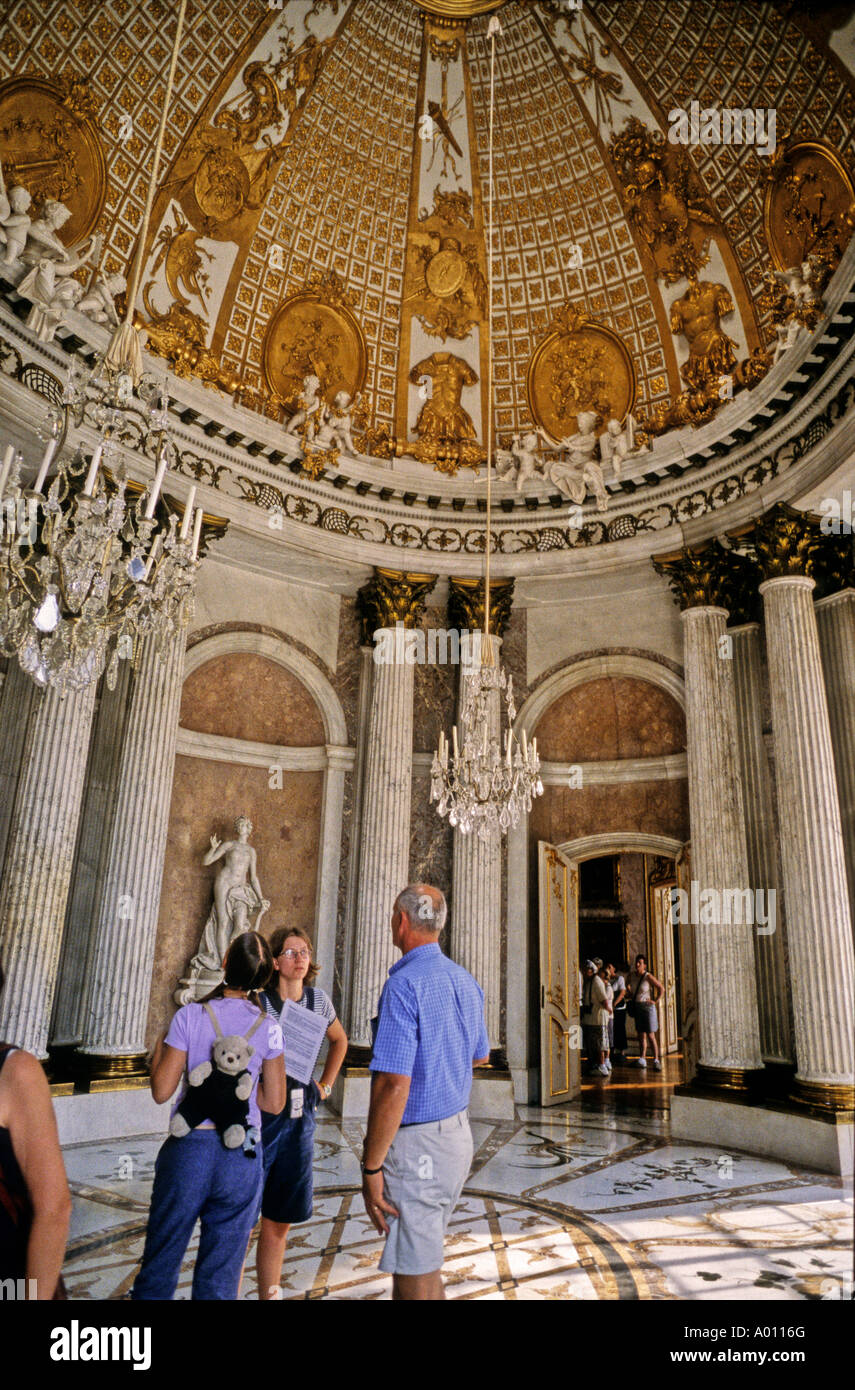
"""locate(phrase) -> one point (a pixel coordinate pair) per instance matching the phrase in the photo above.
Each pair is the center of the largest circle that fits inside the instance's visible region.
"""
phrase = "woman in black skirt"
(288, 1138)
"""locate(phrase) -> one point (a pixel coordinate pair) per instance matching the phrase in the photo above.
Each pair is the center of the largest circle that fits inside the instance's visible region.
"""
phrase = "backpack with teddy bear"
(219, 1090)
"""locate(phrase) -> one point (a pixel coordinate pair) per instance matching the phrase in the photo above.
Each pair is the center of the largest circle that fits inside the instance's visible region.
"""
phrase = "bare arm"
(389, 1093)
(272, 1085)
(253, 873)
(335, 1056)
(167, 1068)
(35, 1141)
(656, 985)
(217, 851)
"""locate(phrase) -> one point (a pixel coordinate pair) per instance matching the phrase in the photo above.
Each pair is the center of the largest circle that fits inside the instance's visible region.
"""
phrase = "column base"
(738, 1080)
(770, 1130)
(822, 1096)
(125, 1067)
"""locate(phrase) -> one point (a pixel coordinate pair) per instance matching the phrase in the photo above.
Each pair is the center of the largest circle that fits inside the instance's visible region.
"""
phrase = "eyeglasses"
(296, 955)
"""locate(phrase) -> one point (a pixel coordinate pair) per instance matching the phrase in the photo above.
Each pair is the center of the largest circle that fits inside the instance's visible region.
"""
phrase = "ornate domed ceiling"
(323, 206)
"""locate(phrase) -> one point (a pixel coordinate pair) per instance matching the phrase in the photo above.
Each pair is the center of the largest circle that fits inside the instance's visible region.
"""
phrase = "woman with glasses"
(288, 1138)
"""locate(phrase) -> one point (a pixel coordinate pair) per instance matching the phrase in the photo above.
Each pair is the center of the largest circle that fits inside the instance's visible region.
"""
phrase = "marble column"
(769, 946)
(476, 895)
(89, 861)
(363, 723)
(391, 603)
(812, 859)
(126, 907)
(835, 619)
(16, 697)
(729, 1042)
(39, 855)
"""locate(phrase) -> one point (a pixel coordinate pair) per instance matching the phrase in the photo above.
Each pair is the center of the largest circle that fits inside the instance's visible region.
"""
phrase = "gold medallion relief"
(580, 366)
(315, 332)
(50, 145)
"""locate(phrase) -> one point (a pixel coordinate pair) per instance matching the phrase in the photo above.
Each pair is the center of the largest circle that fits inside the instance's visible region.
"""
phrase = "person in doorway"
(418, 1144)
(35, 1204)
(196, 1175)
(288, 1138)
(646, 991)
(617, 1024)
(601, 999)
(590, 1036)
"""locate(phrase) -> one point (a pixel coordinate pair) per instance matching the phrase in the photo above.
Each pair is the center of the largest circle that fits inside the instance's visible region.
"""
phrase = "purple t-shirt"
(192, 1032)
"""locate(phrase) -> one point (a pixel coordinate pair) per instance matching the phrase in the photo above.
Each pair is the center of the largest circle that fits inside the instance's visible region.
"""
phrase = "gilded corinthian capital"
(784, 540)
(711, 577)
(389, 598)
(466, 605)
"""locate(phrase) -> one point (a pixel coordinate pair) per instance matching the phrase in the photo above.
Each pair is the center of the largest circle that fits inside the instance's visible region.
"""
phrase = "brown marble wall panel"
(632, 896)
(611, 718)
(240, 695)
(430, 841)
(653, 808)
(206, 799)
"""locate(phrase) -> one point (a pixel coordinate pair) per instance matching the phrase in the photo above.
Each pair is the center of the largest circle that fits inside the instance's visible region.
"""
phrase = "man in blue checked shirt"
(418, 1145)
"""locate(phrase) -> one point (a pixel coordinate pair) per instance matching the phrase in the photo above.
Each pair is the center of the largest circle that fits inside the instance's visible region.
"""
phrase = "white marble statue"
(579, 471)
(48, 283)
(618, 443)
(336, 428)
(15, 222)
(309, 413)
(799, 281)
(237, 894)
(520, 463)
(788, 335)
(98, 303)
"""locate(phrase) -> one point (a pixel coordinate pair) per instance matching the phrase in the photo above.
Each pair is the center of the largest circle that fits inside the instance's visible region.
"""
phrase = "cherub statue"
(521, 462)
(15, 221)
(788, 334)
(337, 425)
(98, 304)
(305, 419)
(237, 893)
(618, 443)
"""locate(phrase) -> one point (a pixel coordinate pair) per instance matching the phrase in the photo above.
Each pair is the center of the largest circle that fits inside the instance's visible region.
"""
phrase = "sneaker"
(607, 1064)
(641, 1061)
(603, 1070)
(657, 1066)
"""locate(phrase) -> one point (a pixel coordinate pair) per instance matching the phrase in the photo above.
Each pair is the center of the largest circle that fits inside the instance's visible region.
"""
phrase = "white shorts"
(424, 1173)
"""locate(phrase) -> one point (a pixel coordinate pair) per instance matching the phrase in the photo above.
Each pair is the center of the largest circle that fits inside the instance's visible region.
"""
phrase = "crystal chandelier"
(87, 571)
(487, 783)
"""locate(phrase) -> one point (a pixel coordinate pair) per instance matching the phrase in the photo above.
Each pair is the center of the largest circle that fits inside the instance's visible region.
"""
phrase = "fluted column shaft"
(812, 861)
(476, 897)
(93, 843)
(128, 898)
(727, 1002)
(39, 856)
(769, 946)
(384, 851)
(16, 697)
(835, 620)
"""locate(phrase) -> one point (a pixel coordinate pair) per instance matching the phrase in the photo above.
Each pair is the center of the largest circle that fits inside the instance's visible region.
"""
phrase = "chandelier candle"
(152, 556)
(6, 465)
(89, 485)
(188, 513)
(45, 465)
(197, 531)
(156, 485)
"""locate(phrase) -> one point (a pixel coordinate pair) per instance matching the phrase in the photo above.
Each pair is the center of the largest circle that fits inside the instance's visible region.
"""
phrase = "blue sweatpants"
(198, 1177)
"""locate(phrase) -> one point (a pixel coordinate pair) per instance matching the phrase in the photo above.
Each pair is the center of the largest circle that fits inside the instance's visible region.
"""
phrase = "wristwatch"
(370, 1172)
(326, 1091)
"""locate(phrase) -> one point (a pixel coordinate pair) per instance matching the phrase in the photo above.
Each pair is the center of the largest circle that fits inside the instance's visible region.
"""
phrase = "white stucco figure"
(336, 427)
(520, 463)
(97, 304)
(308, 414)
(578, 471)
(237, 894)
(618, 442)
(48, 282)
(15, 222)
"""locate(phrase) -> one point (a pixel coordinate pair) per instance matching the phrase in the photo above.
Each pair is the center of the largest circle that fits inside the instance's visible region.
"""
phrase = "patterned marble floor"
(560, 1204)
